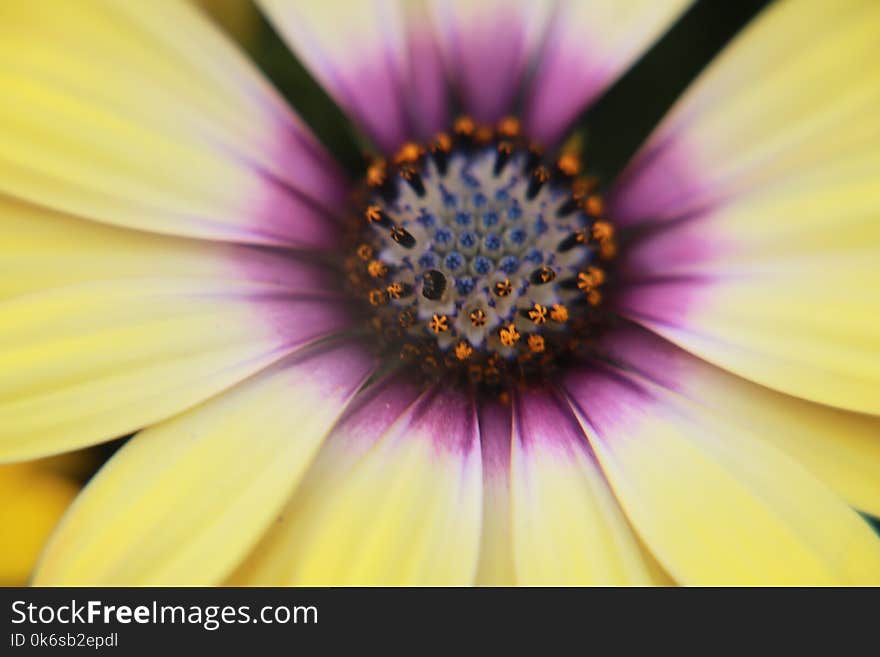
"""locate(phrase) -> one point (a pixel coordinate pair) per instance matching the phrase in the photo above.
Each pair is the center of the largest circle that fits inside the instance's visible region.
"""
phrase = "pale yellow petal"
(839, 447)
(568, 529)
(182, 501)
(145, 115)
(714, 502)
(105, 330)
(764, 178)
(404, 509)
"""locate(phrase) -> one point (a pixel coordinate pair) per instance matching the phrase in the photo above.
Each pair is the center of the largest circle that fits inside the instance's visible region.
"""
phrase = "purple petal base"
(427, 94)
(661, 184)
(488, 62)
(495, 438)
(543, 419)
(560, 90)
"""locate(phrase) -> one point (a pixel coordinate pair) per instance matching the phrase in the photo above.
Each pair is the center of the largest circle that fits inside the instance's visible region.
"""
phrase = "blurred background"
(36, 494)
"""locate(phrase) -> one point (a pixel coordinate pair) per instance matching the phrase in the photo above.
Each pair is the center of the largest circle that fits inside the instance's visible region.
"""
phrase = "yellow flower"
(34, 494)
(183, 260)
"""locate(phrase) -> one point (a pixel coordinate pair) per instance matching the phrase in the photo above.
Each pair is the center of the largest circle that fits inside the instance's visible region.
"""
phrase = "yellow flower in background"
(473, 364)
(33, 496)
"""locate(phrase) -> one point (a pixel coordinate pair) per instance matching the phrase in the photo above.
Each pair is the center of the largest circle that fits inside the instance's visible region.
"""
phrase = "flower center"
(479, 260)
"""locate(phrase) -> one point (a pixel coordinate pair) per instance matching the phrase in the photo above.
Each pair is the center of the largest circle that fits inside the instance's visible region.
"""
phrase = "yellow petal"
(567, 526)
(401, 508)
(34, 497)
(105, 330)
(147, 116)
(839, 447)
(805, 326)
(765, 175)
(713, 502)
(182, 501)
(43, 249)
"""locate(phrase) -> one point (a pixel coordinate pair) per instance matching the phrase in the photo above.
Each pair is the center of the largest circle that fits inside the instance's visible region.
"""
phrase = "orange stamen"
(509, 335)
(509, 127)
(478, 317)
(463, 350)
(464, 125)
(503, 288)
(538, 314)
(594, 205)
(559, 313)
(377, 172)
(410, 153)
(602, 230)
(395, 290)
(377, 268)
(536, 343)
(439, 323)
(569, 164)
(365, 252)
(373, 213)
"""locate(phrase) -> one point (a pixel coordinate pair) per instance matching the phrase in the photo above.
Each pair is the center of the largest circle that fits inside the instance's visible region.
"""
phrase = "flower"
(182, 255)
(35, 494)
